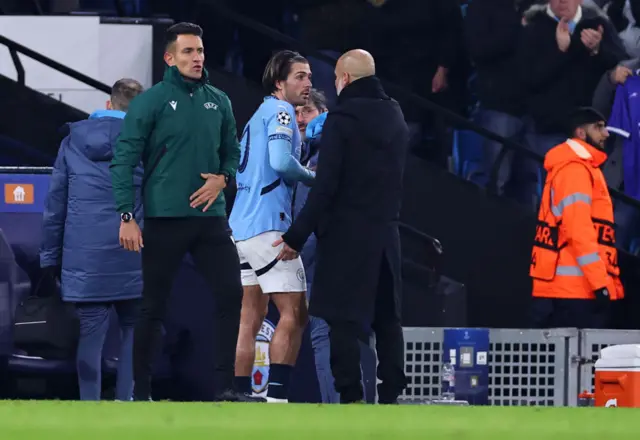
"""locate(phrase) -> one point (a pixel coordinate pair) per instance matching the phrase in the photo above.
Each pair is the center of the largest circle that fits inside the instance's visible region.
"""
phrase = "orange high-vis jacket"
(574, 250)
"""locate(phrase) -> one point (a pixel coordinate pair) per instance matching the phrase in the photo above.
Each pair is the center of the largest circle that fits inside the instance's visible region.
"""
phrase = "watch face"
(125, 216)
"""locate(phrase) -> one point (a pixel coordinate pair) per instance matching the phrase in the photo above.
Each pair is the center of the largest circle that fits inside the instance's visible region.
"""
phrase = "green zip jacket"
(179, 129)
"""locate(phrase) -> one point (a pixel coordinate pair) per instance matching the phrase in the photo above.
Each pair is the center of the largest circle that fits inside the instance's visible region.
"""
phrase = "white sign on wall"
(104, 52)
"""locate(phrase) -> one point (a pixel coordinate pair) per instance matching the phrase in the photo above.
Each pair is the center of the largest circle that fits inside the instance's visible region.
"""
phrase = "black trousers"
(579, 313)
(4, 377)
(345, 350)
(166, 242)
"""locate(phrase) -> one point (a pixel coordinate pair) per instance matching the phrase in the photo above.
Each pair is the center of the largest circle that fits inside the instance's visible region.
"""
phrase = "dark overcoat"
(354, 204)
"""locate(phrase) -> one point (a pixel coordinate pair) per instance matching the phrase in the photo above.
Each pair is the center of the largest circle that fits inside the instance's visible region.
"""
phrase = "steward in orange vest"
(574, 255)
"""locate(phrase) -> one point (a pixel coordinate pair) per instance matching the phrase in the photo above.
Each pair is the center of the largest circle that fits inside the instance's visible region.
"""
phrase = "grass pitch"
(21, 420)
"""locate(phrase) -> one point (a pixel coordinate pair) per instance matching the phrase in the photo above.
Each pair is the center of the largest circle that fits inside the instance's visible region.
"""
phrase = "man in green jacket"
(184, 131)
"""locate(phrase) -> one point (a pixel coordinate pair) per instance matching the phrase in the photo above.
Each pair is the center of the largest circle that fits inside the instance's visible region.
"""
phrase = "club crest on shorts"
(260, 373)
(283, 118)
(300, 275)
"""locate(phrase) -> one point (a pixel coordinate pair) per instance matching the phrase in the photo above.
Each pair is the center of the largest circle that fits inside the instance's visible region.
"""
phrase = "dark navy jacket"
(309, 158)
(81, 225)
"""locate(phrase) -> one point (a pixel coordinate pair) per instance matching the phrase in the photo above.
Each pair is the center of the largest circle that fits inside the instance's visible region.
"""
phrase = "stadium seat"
(14, 285)
(467, 153)
(22, 366)
(540, 184)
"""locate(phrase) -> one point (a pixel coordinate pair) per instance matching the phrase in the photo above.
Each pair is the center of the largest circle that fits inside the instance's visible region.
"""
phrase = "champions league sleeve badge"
(283, 118)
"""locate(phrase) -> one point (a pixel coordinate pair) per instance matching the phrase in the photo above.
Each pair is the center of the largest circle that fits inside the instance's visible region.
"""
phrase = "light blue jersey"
(269, 169)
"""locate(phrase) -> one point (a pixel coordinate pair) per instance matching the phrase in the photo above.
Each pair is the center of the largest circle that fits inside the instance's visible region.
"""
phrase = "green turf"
(177, 421)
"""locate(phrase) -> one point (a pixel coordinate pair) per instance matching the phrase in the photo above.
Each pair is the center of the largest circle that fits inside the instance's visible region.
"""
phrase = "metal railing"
(15, 48)
(540, 367)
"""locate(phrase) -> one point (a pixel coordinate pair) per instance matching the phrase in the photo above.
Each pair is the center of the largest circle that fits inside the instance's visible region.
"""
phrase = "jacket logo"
(210, 105)
(173, 104)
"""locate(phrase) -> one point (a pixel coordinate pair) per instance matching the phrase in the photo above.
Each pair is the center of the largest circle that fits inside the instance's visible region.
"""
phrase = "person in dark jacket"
(492, 30)
(432, 63)
(80, 242)
(312, 124)
(627, 216)
(311, 119)
(565, 49)
(353, 208)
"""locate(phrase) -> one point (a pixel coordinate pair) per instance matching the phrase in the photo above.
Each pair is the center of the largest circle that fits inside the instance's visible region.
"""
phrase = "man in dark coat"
(353, 208)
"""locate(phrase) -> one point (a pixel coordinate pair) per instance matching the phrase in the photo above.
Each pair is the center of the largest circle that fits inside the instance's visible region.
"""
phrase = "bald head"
(357, 63)
(352, 66)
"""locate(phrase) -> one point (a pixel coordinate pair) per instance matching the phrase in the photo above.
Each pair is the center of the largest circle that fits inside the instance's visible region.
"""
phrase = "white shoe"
(274, 400)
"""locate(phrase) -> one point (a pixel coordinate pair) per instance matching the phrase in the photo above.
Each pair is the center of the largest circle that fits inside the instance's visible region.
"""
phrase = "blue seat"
(540, 185)
(467, 153)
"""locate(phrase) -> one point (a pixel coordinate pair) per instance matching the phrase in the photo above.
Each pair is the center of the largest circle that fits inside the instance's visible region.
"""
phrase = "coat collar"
(173, 76)
(107, 114)
(367, 87)
(587, 152)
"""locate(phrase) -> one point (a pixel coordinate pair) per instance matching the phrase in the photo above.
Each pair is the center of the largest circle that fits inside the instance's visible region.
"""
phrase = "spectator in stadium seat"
(620, 169)
(605, 92)
(353, 206)
(565, 50)
(492, 29)
(80, 243)
(431, 63)
(624, 15)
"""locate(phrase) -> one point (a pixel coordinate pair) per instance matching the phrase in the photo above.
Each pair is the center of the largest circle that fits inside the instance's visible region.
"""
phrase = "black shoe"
(142, 397)
(234, 396)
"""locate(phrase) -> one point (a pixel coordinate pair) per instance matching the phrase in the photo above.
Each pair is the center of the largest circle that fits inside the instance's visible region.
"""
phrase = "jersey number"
(246, 138)
(534, 259)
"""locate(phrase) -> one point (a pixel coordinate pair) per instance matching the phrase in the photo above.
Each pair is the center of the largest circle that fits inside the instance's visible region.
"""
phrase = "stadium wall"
(103, 51)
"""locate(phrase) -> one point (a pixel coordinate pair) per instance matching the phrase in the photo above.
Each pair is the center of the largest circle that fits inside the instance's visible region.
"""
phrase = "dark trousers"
(94, 326)
(579, 313)
(166, 242)
(345, 350)
(4, 376)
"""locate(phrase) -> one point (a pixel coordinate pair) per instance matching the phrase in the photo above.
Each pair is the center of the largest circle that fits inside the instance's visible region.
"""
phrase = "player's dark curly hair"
(279, 67)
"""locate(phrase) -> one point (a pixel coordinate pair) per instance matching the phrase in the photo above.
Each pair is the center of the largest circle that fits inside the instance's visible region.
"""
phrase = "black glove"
(602, 296)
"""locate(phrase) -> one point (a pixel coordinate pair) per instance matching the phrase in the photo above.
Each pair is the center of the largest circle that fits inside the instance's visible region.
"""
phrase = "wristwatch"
(126, 217)
(226, 178)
